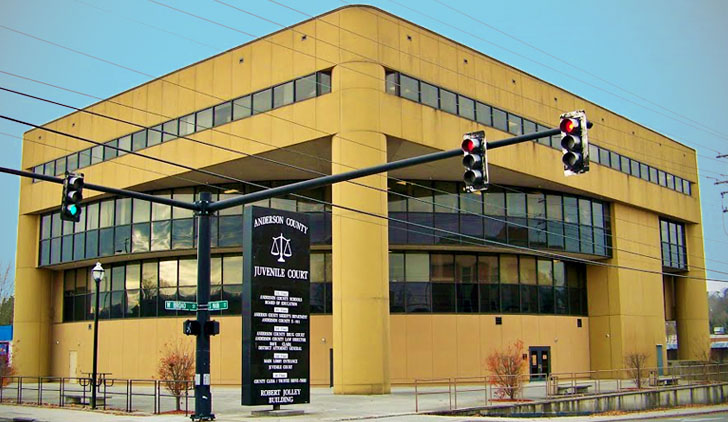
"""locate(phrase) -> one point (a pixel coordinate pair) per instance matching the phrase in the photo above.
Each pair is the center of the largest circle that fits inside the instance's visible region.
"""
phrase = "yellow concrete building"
(411, 277)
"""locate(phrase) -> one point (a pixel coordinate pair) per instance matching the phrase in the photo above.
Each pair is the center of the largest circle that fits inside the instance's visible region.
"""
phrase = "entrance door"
(72, 364)
(539, 362)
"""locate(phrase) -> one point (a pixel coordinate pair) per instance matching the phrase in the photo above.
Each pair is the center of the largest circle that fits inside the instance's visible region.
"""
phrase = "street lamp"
(98, 274)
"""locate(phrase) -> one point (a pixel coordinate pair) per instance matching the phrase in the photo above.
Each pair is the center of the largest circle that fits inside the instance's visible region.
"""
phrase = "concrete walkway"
(324, 406)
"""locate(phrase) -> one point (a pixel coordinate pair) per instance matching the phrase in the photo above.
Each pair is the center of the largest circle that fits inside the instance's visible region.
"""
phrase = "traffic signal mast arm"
(292, 187)
(368, 171)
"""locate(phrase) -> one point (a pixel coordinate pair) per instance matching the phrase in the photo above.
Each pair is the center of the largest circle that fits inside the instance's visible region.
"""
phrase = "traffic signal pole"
(205, 207)
(203, 395)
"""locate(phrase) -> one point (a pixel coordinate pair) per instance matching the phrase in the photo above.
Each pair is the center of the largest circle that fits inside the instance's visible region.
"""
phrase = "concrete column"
(626, 307)
(360, 242)
(33, 291)
(691, 301)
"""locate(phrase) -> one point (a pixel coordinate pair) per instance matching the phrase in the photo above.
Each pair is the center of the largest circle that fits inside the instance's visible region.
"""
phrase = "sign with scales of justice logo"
(281, 247)
(276, 271)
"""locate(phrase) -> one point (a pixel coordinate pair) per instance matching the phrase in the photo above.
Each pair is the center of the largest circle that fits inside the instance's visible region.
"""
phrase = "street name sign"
(177, 305)
(219, 305)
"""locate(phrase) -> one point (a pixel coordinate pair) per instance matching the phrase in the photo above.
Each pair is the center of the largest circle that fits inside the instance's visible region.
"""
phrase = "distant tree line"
(718, 305)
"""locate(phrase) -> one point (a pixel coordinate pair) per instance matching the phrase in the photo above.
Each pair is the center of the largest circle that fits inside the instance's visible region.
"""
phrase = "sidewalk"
(324, 406)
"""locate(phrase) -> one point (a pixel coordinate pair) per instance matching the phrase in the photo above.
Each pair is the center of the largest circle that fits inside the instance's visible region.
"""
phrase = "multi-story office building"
(411, 277)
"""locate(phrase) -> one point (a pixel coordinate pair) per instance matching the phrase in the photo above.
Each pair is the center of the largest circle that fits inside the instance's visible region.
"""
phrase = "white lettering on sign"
(269, 272)
(297, 274)
(280, 355)
(280, 310)
(268, 219)
(280, 329)
(281, 293)
(296, 225)
(279, 375)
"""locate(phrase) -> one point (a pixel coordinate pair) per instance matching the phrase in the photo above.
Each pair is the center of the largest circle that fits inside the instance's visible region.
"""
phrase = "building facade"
(411, 277)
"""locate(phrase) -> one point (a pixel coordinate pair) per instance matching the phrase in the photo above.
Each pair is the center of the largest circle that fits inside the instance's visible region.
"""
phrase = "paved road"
(712, 417)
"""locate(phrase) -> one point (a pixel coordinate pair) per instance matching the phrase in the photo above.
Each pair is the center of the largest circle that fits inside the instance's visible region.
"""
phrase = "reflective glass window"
(515, 124)
(124, 145)
(204, 119)
(466, 107)
(306, 87)
(187, 125)
(154, 135)
(262, 101)
(324, 82)
(429, 95)
(409, 87)
(500, 120)
(110, 149)
(417, 267)
(139, 140)
(482, 114)
(448, 101)
(97, 154)
(242, 107)
(169, 130)
(161, 231)
(223, 113)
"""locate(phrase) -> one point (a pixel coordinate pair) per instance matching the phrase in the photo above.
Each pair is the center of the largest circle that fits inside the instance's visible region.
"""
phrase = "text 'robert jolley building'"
(391, 301)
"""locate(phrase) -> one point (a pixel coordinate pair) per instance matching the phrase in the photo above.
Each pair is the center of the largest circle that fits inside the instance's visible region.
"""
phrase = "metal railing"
(128, 395)
(456, 393)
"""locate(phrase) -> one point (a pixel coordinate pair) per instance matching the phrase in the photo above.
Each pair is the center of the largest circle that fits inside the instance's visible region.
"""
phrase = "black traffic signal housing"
(72, 197)
(191, 327)
(212, 328)
(574, 142)
(475, 161)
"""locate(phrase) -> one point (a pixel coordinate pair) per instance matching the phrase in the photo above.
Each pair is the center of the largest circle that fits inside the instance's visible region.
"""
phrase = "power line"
(694, 126)
(462, 75)
(197, 91)
(212, 96)
(459, 210)
(488, 241)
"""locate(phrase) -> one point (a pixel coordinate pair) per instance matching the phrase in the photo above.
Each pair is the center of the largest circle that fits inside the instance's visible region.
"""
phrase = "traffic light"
(475, 160)
(191, 327)
(574, 142)
(212, 328)
(72, 196)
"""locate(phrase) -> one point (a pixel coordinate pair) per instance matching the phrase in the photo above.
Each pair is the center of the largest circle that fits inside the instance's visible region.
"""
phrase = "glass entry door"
(539, 359)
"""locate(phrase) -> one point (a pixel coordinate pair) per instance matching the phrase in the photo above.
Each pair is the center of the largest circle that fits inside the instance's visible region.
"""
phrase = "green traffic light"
(72, 209)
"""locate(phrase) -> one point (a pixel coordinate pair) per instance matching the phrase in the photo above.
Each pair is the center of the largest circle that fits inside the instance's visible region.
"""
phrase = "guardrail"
(458, 392)
(129, 395)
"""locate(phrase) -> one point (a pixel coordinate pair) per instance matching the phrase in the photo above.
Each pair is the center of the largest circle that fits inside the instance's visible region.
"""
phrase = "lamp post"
(98, 274)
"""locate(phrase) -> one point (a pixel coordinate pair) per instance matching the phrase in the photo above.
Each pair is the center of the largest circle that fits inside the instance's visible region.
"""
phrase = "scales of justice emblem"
(281, 247)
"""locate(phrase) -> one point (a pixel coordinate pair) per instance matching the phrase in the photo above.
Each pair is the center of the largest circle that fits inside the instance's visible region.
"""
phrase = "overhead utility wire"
(198, 91)
(555, 70)
(185, 87)
(332, 204)
(572, 65)
(468, 77)
(460, 210)
(254, 36)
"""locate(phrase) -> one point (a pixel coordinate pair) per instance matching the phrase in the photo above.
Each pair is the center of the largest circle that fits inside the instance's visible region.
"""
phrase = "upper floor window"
(672, 237)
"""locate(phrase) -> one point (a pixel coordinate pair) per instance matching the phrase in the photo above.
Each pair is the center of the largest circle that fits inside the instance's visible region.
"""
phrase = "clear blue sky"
(671, 53)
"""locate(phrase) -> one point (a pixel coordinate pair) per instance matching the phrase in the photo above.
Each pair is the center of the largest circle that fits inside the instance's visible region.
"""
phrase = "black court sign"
(276, 253)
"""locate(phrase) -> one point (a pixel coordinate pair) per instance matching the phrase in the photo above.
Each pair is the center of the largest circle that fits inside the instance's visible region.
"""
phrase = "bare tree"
(507, 366)
(176, 368)
(635, 363)
(7, 300)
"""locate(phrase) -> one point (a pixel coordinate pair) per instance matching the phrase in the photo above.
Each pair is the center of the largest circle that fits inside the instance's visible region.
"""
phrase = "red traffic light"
(569, 126)
(471, 145)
